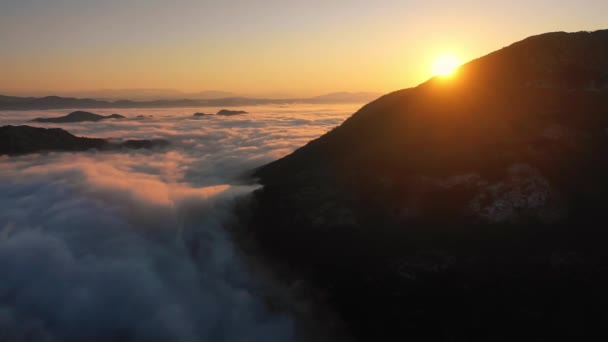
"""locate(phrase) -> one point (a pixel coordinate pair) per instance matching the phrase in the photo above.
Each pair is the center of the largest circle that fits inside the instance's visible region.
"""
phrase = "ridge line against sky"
(260, 48)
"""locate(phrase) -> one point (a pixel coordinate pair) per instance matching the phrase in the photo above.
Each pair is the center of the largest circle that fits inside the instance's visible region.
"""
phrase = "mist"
(133, 245)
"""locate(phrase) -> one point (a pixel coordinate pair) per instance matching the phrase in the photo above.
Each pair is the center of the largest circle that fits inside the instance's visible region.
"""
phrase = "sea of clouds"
(132, 245)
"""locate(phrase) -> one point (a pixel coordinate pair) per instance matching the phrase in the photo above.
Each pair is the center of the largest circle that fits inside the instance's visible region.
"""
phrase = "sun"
(445, 65)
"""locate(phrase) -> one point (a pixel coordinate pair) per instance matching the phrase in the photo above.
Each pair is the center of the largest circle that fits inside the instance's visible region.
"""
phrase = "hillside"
(468, 208)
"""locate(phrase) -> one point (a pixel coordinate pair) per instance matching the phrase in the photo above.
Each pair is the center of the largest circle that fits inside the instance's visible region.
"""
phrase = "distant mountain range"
(149, 94)
(58, 102)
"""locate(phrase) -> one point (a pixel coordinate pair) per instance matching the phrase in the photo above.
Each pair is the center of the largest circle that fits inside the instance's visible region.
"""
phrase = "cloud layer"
(132, 245)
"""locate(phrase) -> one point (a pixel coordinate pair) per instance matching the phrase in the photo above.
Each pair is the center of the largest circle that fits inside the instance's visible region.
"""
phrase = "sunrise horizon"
(257, 51)
(441, 64)
(303, 171)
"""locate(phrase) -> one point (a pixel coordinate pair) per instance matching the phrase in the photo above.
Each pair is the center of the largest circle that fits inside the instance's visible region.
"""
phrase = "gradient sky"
(260, 47)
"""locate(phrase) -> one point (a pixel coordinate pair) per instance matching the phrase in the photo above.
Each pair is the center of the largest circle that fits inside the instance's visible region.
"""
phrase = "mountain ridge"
(466, 208)
(57, 102)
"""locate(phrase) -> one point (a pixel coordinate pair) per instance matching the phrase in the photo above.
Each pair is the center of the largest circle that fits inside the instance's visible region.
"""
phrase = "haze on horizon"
(262, 48)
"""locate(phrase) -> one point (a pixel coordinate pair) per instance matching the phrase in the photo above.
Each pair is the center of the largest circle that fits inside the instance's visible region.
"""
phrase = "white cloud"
(132, 244)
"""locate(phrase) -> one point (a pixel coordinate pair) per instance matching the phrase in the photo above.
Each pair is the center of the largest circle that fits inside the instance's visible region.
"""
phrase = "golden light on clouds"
(445, 65)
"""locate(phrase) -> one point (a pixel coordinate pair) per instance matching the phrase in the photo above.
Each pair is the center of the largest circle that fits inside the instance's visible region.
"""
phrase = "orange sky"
(261, 47)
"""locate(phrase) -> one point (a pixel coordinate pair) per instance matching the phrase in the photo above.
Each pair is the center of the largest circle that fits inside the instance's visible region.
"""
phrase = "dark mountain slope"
(467, 208)
(493, 92)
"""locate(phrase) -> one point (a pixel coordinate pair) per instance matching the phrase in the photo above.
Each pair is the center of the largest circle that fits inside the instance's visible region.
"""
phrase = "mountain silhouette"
(472, 207)
(149, 94)
(16, 140)
(56, 102)
(227, 112)
(79, 116)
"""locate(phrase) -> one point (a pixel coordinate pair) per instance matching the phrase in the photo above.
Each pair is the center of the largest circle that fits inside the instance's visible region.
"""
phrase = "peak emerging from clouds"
(79, 116)
(17, 140)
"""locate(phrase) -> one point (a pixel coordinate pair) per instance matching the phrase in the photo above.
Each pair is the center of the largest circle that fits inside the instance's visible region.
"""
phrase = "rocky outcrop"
(227, 112)
(438, 212)
(16, 140)
(79, 116)
(200, 114)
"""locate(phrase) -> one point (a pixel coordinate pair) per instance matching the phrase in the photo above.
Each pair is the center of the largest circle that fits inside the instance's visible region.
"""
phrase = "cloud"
(131, 245)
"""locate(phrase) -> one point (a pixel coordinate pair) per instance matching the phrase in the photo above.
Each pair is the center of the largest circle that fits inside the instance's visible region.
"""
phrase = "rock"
(79, 116)
(230, 112)
(496, 170)
(200, 114)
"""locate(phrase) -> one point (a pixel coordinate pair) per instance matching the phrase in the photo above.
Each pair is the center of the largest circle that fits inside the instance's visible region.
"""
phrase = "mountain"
(469, 208)
(128, 94)
(153, 94)
(26, 139)
(147, 94)
(79, 116)
(56, 102)
(227, 112)
(13, 99)
(48, 102)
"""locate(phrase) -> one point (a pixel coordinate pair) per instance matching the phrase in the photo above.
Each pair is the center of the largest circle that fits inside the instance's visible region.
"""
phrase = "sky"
(260, 47)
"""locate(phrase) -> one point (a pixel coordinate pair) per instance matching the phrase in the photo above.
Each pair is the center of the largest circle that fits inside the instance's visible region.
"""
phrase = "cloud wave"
(132, 246)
